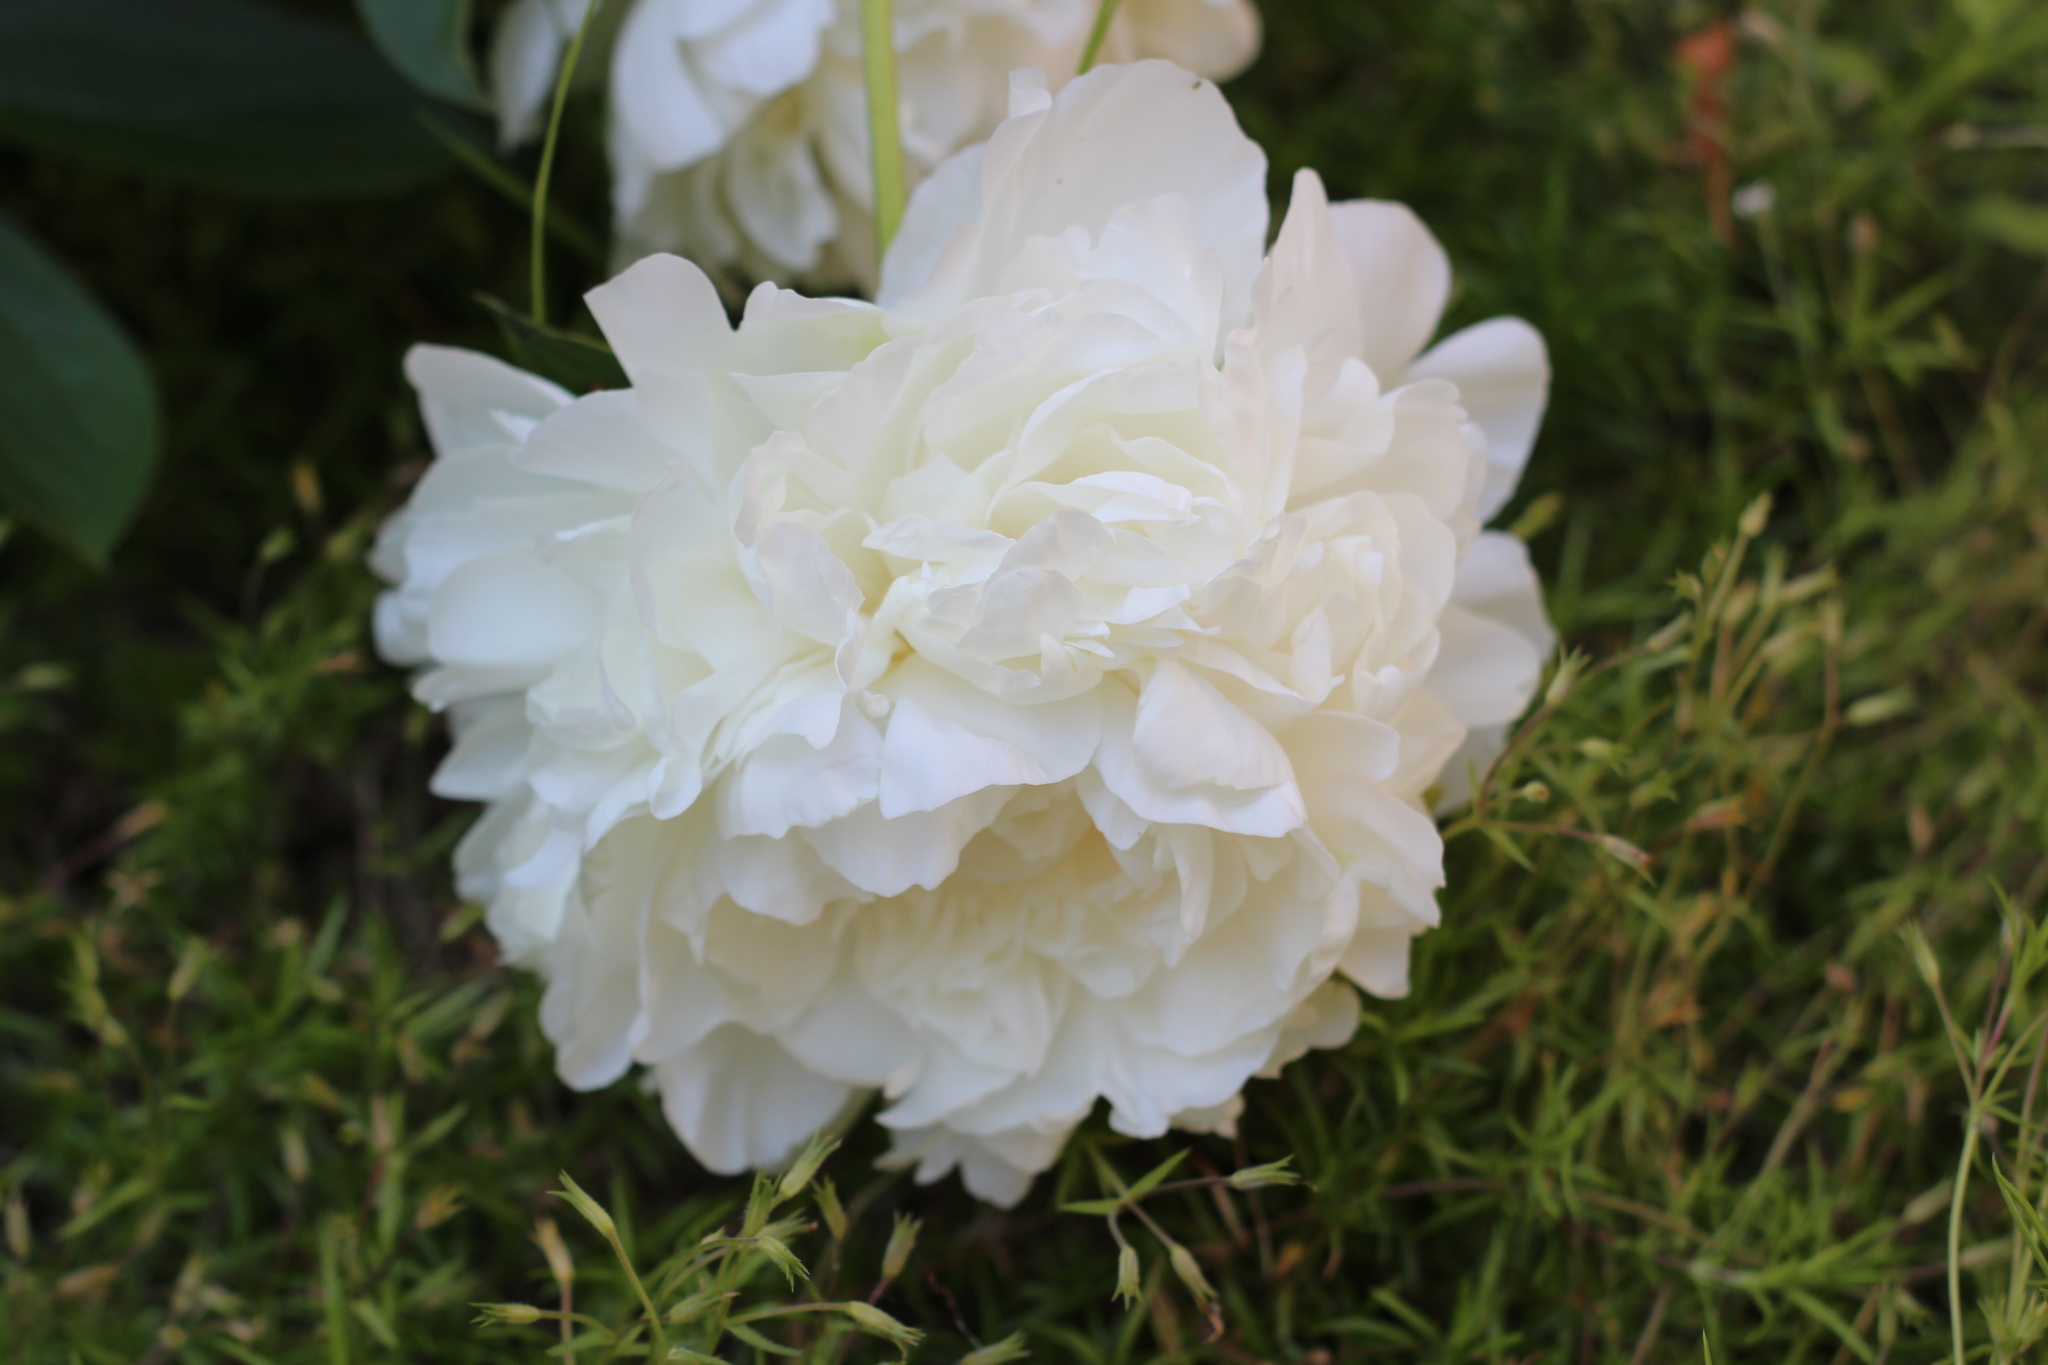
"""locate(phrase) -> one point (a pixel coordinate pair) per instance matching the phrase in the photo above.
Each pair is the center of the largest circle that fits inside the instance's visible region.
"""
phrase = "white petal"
(1268, 813)
(593, 999)
(944, 202)
(601, 439)
(511, 611)
(850, 1037)
(810, 590)
(1188, 735)
(779, 878)
(1402, 277)
(788, 782)
(1496, 579)
(658, 98)
(526, 52)
(491, 742)
(463, 394)
(889, 856)
(1327, 1018)
(1378, 961)
(778, 195)
(1486, 670)
(662, 317)
(1113, 137)
(1214, 38)
(947, 740)
(773, 48)
(1306, 287)
(740, 1100)
(1502, 371)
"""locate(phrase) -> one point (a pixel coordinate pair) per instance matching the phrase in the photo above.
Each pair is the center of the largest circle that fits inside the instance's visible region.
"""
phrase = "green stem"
(1104, 14)
(547, 165)
(878, 56)
(660, 1351)
(1955, 1234)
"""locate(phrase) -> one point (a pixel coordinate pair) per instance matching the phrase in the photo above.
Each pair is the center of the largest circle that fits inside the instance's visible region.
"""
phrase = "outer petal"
(1402, 277)
(947, 200)
(1378, 961)
(1306, 286)
(1496, 579)
(1502, 371)
(741, 1100)
(663, 317)
(1497, 585)
(466, 396)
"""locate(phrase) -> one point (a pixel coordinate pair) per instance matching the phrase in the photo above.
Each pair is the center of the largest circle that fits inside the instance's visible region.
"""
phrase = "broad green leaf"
(78, 413)
(428, 41)
(225, 94)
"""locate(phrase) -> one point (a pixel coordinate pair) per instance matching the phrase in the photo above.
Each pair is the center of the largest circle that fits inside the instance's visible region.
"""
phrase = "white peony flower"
(739, 129)
(1020, 693)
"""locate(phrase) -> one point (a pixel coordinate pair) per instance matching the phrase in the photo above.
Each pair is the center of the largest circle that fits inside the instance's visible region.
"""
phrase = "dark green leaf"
(78, 417)
(577, 363)
(428, 41)
(226, 94)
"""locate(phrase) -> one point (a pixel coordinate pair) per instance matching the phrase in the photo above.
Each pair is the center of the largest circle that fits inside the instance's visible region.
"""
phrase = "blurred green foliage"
(1669, 1072)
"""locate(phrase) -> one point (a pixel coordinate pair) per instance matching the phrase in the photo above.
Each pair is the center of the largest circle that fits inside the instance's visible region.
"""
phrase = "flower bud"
(873, 1320)
(1754, 517)
(1272, 1173)
(827, 1197)
(1568, 669)
(902, 1241)
(1923, 955)
(806, 1165)
(548, 1238)
(1127, 1277)
(588, 1207)
(18, 1240)
(508, 1314)
(186, 974)
(1190, 1273)
(298, 1164)
(1616, 846)
(1001, 1352)
(1668, 634)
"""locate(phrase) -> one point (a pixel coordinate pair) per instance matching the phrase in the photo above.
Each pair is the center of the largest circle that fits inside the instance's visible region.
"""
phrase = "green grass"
(1673, 1078)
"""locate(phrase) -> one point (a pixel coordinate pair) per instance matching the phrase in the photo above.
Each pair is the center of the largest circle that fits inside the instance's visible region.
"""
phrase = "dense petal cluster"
(1022, 692)
(738, 128)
